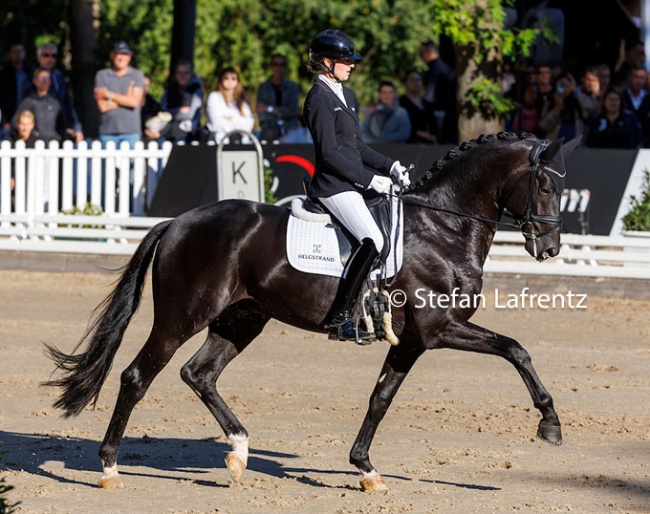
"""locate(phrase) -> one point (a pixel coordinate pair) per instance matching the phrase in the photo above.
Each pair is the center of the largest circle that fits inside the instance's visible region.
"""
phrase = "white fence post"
(52, 178)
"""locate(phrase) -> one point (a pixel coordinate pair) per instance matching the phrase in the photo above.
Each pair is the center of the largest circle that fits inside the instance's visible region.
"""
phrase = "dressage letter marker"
(240, 176)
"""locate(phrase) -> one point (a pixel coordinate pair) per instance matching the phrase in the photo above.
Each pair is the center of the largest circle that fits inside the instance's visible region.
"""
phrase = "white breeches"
(351, 211)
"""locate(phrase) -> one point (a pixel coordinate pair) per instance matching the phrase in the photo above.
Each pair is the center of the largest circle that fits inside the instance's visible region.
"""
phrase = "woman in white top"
(227, 110)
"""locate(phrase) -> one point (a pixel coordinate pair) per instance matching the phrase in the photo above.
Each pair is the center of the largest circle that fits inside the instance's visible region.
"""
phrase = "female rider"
(345, 169)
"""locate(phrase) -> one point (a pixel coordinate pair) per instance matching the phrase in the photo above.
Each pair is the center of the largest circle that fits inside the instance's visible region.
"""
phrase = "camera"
(559, 88)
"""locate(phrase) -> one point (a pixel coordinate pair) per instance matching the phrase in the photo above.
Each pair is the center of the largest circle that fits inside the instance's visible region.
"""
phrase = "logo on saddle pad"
(313, 245)
(316, 255)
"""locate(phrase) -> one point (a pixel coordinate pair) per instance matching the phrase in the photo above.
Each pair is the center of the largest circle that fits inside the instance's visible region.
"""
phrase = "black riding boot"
(341, 326)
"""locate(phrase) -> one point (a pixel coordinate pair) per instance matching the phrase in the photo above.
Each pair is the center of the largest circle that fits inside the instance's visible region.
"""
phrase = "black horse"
(223, 267)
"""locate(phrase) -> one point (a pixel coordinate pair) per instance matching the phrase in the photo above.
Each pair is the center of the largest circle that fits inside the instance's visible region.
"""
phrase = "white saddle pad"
(312, 245)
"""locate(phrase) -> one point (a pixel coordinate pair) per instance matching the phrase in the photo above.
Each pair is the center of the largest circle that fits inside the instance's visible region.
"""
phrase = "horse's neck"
(456, 203)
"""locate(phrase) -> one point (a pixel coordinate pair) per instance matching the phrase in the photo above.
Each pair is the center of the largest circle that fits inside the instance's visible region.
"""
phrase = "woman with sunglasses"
(346, 169)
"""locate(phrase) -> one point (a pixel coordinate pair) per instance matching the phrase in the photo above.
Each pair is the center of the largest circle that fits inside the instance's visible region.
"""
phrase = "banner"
(596, 195)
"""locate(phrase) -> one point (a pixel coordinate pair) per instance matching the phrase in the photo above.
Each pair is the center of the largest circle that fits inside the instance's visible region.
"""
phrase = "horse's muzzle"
(543, 248)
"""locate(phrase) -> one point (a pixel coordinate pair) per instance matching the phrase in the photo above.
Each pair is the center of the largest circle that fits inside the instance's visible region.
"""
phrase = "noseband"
(529, 217)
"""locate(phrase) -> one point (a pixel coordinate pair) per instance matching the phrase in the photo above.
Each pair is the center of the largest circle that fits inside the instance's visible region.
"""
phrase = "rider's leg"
(351, 211)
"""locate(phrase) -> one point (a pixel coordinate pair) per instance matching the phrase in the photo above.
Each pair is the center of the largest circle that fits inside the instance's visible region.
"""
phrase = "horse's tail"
(86, 372)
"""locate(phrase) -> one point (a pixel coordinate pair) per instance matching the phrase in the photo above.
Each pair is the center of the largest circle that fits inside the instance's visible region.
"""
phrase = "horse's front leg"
(398, 363)
(472, 338)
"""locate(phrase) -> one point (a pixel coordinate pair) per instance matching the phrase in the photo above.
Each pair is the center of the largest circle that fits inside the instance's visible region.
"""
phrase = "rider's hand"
(380, 184)
(400, 173)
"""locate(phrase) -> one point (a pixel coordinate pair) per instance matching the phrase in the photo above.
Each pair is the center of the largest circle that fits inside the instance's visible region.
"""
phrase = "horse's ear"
(551, 151)
(571, 145)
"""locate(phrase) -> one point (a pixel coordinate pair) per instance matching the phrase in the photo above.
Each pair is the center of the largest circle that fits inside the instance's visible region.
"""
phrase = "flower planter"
(642, 249)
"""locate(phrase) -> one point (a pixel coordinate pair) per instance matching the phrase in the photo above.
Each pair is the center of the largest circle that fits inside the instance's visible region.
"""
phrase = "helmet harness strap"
(330, 71)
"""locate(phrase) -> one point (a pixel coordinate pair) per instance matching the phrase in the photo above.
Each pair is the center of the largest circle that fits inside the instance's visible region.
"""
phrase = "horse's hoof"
(235, 466)
(373, 484)
(114, 482)
(550, 433)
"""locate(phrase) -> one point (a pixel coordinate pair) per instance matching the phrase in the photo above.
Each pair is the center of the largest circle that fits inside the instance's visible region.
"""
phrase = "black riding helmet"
(331, 44)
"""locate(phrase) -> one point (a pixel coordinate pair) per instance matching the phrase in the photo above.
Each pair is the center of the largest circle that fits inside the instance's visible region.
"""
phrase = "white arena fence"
(580, 256)
(56, 178)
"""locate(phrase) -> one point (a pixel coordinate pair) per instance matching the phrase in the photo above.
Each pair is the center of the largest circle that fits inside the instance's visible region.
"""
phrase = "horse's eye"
(543, 191)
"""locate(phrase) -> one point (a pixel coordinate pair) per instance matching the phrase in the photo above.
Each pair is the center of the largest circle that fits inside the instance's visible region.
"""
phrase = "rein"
(528, 218)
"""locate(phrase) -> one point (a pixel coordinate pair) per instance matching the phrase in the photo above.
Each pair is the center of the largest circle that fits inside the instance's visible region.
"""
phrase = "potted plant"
(637, 220)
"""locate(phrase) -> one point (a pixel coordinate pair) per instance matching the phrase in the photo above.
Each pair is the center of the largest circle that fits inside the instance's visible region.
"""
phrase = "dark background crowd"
(608, 106)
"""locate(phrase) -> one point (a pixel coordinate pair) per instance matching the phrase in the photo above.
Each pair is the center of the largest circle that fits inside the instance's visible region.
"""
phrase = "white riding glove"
(380, 184)
(400, 173)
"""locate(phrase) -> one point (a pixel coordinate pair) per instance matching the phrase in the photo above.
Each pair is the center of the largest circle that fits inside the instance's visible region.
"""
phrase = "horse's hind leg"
(134, 382)
(470, 337)
(227, 338)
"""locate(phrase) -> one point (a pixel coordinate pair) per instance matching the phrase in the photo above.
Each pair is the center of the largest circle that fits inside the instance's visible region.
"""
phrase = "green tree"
(476, 27)
(244, 33)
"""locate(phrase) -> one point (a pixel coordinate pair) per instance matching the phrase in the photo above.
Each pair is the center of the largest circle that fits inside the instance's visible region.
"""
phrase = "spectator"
(277, 102)
(183, 99)
(614, 126)
(635, 91)
(12, 77)
(634, 56)
(440, 90)
(46, 55)
(46, 109)
(588, 96)
(228, 110)
(526, 117)
(387, 122)
(562, 118)
(545, 90)
(154, 119)
(24, 129)
(119, 93)
(424, 128)
(604, 76)
(643, 114)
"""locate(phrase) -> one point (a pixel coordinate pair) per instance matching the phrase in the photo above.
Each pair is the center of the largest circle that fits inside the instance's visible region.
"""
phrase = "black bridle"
(529, 217)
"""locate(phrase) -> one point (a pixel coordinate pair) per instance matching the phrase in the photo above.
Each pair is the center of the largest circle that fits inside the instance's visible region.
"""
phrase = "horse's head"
(534, 200)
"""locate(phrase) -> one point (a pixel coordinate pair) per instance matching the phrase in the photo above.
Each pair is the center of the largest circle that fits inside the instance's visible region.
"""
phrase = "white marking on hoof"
(237, 459)
(372, 482)
(110, 478)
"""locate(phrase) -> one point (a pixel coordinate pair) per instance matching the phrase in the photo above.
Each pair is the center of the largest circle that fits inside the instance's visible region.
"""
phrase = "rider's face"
(342, 69)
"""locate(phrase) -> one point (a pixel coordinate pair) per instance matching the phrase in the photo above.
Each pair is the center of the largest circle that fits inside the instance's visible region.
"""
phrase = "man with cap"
(119, 93)
(46, 55)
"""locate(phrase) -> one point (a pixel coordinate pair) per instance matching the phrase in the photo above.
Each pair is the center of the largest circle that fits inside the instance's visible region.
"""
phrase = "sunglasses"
(49, 55)
(346, 62)
(281, 64)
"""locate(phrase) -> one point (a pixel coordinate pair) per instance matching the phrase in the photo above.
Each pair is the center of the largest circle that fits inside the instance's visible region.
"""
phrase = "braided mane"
(463, 147)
